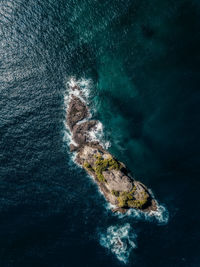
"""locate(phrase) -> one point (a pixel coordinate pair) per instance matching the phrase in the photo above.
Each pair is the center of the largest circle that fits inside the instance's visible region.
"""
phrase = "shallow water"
(142, 61)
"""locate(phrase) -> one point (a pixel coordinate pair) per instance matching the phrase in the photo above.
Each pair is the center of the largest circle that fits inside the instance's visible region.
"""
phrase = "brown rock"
(73, 148)
(117, 182)
(112, 176)
(80, 131)
(77, 111)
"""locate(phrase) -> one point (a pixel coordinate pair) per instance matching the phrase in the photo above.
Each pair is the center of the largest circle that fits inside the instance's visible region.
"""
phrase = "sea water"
(137, 63)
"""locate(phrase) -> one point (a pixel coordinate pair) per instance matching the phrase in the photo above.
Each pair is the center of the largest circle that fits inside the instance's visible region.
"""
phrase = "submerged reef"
(112, 176)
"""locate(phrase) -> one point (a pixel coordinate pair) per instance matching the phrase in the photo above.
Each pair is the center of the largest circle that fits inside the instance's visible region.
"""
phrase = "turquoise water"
(142, 60)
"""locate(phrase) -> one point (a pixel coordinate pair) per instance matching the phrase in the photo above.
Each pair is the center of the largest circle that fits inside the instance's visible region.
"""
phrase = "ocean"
(138, 61)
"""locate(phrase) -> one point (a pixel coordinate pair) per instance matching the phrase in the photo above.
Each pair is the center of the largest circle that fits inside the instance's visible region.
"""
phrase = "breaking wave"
(85, 85)
(120, 240)
(160, 216)
(97, 134)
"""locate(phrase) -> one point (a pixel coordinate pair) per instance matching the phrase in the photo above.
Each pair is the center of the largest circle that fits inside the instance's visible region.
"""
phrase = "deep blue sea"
(140, 62)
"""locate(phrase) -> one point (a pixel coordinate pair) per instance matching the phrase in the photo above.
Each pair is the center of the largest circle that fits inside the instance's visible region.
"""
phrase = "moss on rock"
(108, 163)
(87, 166)
(115, 193)
(102, 165)
(126, 199)
(138, 203)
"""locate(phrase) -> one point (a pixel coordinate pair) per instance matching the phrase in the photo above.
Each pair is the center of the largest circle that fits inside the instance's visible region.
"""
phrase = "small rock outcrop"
(111, 175)
(77, 111)
(80, 131)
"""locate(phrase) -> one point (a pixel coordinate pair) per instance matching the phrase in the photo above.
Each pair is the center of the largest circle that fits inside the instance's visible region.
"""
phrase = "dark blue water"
(143, 58)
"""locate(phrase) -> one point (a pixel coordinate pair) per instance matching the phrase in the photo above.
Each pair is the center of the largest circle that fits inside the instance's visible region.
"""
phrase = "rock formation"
(111, 175)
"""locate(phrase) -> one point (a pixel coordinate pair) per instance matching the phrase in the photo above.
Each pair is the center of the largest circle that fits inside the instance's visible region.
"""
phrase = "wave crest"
(160, 216)
(84, 93)
(120, 241)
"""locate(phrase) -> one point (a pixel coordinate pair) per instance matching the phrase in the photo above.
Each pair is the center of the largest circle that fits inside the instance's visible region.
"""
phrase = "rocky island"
(112, 176)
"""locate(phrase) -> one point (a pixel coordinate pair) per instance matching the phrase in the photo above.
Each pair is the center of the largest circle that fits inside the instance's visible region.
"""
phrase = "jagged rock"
(111, 175)
(77, 111)
(73, 148)
(80, 131)
(117, 181)
(118, 187)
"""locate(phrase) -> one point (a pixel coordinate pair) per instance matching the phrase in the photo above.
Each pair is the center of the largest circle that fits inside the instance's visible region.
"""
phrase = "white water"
(160, 216)
(120, 240)
(85, 85)
(97, 134)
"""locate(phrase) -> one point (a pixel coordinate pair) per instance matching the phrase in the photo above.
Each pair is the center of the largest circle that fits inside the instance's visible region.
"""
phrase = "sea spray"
(89, 136)
(85, 86)
(160, 216)
(96, 134)
(120, 240)
(84, 93)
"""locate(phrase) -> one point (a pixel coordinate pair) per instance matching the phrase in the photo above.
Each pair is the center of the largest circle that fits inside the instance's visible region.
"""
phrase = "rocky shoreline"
(112, 176)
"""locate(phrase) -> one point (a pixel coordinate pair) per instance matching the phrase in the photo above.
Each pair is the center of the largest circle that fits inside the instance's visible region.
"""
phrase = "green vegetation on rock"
(115, 193)
(126, 199)
(102, 165)
(99, 166)
(136, 203)
(95, 169)
(87, 166)
(109, 163)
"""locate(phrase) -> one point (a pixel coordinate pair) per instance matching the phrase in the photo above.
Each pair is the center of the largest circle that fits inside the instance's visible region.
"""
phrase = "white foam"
(84, 85)
(120, 240)
(84, 91)
(97, 134)
(160, 216)
(110, 206)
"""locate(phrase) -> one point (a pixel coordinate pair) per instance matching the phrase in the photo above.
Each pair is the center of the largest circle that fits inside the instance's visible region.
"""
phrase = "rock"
(118, 188)
(80, 131)
(119, 210)
(73, 148)
(77, 111)
(117, 181)
(111, 175)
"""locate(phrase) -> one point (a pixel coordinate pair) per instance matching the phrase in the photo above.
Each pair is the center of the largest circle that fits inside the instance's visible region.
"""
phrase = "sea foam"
(120, 240)
(160, 216)
(97, 134)
(85, 85)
